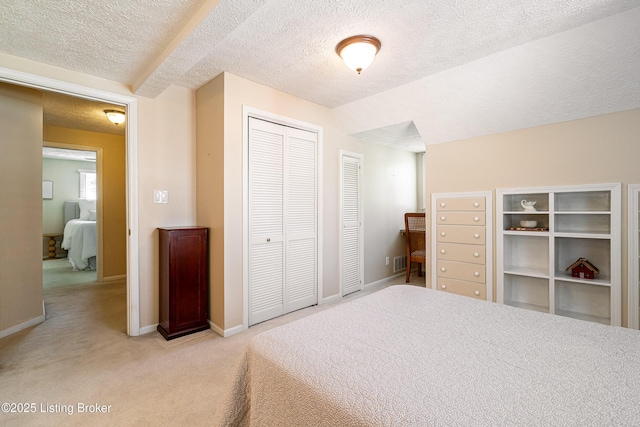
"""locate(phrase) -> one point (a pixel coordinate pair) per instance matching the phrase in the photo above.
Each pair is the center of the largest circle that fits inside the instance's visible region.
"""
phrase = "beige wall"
(166, 161)
(602, 149)
(210, 186)
(386, 195)
(113, 200)
(21, 207)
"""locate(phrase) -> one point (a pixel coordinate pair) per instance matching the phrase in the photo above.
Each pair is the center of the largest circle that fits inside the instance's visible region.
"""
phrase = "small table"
(52, 243)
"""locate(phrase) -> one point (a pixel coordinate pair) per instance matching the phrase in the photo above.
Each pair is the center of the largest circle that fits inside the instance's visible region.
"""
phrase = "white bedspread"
(80, 242)
(409, 356)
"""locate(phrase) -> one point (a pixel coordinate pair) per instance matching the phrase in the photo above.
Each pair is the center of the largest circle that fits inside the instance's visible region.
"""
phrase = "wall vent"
(399, 263)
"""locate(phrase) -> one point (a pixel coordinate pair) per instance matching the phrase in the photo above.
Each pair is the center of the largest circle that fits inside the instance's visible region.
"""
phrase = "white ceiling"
(452, 69)
(66, 154)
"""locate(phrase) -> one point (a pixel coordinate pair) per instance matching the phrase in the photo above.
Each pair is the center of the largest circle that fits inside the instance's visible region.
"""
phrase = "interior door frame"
(633, 267)
(247, 112)
(360, 157)
(130, 104)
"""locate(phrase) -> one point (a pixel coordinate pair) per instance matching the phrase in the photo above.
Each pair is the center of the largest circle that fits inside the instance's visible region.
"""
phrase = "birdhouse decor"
(583, 269)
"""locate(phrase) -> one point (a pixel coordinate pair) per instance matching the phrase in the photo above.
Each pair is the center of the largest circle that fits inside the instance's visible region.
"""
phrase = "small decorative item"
(528, 205)
(528, 224)
(583, 269)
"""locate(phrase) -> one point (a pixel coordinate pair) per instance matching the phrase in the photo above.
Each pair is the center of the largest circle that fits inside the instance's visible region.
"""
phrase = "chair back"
(415, 228)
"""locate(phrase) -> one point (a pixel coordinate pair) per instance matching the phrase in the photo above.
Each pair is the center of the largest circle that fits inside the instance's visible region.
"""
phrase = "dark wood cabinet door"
(183, 281)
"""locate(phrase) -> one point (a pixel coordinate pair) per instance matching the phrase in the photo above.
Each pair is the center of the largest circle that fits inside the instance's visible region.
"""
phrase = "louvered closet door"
(266, 221)
(301, 212)
(351, 230)
(282, 220)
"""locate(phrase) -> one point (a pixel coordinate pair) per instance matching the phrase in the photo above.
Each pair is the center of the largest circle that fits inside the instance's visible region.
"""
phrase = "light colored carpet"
(59, 272)
(82, 355)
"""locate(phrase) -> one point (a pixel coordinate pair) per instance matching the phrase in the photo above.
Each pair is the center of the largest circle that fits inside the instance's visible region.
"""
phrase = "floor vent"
(399, 263)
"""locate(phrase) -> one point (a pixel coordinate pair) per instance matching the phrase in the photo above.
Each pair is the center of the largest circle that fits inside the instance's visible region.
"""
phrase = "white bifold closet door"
(352, 268)
(282, 220)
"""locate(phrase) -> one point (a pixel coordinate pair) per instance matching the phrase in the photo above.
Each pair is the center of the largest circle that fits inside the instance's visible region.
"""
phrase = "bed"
(80, 238)
(410, 356)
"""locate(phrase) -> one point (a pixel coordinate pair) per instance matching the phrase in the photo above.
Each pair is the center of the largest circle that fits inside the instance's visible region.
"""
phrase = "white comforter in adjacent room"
(80, 242)
(409, 356)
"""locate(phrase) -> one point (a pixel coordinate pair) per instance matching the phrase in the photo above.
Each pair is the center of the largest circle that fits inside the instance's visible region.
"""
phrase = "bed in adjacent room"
(80, 234)
(410, 356)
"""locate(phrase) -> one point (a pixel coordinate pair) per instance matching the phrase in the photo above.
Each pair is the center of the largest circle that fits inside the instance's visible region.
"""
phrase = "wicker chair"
(414, 226)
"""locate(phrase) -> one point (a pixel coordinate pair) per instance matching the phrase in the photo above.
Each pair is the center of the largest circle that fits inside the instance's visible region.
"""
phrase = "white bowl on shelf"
(528, 224)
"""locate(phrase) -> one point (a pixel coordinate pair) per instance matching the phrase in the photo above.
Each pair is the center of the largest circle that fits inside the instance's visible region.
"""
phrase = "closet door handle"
(268, 239)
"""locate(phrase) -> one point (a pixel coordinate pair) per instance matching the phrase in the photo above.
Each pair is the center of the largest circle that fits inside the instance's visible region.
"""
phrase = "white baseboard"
(225, 332)
(331, 299)
(147, 329)
(337, 297)
(386, 279)
(21, 326)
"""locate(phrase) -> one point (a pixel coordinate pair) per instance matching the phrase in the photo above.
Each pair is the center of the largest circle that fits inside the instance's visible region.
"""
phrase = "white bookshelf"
(572, 222)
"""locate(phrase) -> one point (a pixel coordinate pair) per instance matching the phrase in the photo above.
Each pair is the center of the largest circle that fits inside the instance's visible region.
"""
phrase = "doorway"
(72, 253)
(129, 104)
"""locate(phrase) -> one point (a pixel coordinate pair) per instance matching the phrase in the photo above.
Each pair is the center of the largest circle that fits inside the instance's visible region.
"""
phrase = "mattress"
(410, 356)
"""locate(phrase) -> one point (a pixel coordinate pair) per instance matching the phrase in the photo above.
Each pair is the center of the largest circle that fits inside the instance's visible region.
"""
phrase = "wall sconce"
(116, 117)
(358, 52)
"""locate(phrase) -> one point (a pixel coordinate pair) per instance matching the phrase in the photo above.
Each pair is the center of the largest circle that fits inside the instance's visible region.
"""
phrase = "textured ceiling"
(77, 113)
(442, 64)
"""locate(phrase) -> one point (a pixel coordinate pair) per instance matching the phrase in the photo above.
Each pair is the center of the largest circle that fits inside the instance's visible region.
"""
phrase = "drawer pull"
(443, 286)
(443, 204)
(442, 218)
(476, 254)
(476, 219)
(477, 293)
(476, 204)
(443, 234)
(476, 274)
(476, 236)
(443, 269)
(442, 251)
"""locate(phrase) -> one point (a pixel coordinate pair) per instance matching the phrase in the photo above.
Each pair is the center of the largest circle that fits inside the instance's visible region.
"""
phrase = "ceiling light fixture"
(116, 117)
(358, 52)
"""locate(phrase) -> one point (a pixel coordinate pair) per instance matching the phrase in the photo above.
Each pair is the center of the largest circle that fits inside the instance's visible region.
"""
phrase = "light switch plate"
(160, 196)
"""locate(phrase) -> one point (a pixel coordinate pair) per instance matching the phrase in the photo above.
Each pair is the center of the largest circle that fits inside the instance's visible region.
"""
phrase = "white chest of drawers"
(461, 248)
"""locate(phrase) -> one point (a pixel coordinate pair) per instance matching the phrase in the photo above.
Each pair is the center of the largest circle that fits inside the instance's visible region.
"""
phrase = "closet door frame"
(247, 112)
(633, 256)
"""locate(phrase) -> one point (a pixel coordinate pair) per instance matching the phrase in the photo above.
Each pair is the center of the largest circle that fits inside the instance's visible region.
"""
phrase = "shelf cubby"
(577, 201)
(526, 292)
(583, 301)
